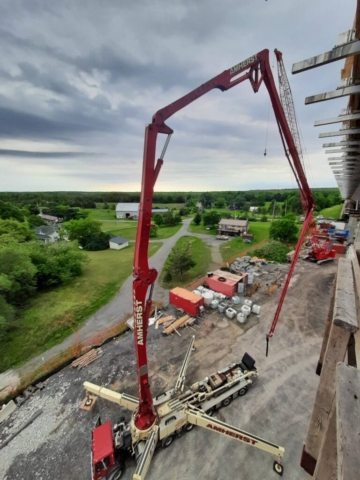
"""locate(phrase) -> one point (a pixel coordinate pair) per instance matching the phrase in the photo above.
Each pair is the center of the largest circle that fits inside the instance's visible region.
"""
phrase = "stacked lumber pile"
(165, 320)
(86, 359)
(186, 320)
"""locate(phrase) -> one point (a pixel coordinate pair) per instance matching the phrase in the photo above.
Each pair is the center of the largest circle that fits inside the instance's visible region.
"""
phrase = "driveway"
(120, 307)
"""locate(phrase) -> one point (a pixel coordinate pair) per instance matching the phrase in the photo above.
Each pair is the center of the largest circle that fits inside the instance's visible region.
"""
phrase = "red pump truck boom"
(149, 424)
(256, 69)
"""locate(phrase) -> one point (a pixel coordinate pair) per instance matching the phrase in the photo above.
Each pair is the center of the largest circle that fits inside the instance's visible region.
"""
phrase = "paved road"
(119, 307)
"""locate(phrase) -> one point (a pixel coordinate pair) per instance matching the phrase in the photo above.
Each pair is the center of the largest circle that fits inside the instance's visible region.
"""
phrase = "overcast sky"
(79, 80)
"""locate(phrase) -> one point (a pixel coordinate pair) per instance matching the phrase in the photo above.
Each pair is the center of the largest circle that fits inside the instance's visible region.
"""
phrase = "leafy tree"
(197, 219)
(264, 218)
(284, 229)
(56, 263)
(35, 221)
(179, 261)
(9, 211)
(184, 211)
(211, 218)
(18, 271)
(170, 219)
(6, 316)
(96, 241)
(81, 229)
(13, 230)
(220, 202)
(158, 219)
(106, 206)
(153, 231)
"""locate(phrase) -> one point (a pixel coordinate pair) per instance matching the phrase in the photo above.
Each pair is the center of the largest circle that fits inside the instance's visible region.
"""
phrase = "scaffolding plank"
(340, 118)
(338, 93)
(333, 55)
(349, 131)
(343, 150)
(341, 144)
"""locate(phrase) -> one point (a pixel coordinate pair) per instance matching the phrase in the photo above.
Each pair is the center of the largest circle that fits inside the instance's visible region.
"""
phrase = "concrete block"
(6, 410)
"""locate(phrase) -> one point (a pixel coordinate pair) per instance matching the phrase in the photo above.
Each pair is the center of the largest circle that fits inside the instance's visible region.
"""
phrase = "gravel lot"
(278, 407)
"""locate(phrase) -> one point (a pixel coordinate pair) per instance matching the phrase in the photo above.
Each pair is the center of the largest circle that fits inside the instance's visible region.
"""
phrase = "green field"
(127, 229)
(201, 229)
(260, 230)
(201, 254)
(101, 214)
(333, 212)
(58, 312)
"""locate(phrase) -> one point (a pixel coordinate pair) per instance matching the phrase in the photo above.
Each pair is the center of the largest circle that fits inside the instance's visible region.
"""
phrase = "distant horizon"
(165, 191)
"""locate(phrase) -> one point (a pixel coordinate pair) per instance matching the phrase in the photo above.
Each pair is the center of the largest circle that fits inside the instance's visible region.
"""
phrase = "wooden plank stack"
(175, 325)
(86, 359)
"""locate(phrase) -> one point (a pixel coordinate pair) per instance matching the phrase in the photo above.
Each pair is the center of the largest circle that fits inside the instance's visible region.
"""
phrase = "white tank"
(235, 300)
(248, 302)
(214, 304)
(246, 310)
(196, 292)
(230, 312)
(208, 298)
(256, 309)
(200, 288)
(241, 318)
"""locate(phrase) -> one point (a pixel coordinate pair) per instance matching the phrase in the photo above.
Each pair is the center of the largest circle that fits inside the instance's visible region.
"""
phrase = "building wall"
(115, 246)
(123, 214)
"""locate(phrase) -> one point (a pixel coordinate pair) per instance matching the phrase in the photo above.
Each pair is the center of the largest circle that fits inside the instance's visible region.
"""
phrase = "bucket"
(222, 307)
(246, 310)
(214, 304)
(256, 309)
(230, 312)
(241, 318)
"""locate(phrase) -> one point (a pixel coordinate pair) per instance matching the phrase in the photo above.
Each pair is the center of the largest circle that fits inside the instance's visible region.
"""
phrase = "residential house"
(47, 234)
(232, 227)
(253, 209)
(50, 219)
(117, 243)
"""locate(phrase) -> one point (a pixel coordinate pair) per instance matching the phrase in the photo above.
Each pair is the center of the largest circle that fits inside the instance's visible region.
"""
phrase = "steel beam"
(333, 55)
(350, 131)
(342, 144)
(340, 118)
(343, 150)
(340, 92)
(345, 157)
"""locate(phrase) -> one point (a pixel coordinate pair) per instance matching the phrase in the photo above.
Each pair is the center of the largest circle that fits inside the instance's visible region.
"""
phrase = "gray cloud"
(80, 79)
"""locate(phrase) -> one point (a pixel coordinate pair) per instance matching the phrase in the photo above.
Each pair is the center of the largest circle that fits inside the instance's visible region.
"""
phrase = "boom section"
(256, 69)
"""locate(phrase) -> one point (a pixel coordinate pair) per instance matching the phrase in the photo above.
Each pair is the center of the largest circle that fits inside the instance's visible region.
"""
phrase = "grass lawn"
(201, 254)
(333, 212)
(260, 230)
(100, 213)
(167, 232)
(54, 314)
(201, 229)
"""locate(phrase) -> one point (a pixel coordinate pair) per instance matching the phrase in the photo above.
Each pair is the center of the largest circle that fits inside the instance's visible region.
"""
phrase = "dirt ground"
(278, 406)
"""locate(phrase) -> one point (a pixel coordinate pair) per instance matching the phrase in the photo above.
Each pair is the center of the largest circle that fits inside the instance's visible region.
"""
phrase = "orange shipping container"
(188, 301)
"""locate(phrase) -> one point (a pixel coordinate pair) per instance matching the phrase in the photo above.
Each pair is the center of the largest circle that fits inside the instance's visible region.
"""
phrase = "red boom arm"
(258, 71)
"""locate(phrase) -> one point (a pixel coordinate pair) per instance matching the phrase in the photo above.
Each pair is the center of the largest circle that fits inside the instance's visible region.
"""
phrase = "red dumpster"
(188, 301)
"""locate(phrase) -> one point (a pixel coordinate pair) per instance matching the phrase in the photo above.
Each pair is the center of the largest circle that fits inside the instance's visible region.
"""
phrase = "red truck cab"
(103, 452)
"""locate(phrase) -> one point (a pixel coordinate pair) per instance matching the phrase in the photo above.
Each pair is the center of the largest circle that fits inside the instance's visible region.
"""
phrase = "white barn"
(126, 210)
(117, 243)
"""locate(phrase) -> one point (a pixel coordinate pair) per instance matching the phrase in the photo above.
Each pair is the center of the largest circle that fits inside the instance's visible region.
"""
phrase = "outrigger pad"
(248, 361)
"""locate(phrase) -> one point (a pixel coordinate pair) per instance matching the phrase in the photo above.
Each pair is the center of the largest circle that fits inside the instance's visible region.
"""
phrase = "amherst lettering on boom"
(232, 434)
(138, 319)
(243, 64)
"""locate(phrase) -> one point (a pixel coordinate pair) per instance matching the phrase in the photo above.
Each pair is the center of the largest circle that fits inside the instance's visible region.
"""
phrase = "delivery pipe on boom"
(256, 69)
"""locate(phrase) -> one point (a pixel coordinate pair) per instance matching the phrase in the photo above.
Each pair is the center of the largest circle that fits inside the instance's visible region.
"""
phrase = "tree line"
(237, 200)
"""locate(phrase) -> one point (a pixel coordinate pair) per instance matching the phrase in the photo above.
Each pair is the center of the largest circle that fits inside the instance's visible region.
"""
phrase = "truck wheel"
(188, 427)
(116, 472)
(210, 412)
(242, 391)
(167, 441)
(226, 402)
(278, 468)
